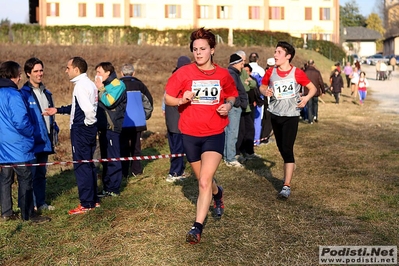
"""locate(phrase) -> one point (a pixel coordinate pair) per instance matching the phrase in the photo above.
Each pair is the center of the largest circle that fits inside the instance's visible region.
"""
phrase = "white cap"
(271, 61)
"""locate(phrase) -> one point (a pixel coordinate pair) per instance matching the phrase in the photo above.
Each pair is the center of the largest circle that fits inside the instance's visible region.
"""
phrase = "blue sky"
(365, 6)
(17, 10)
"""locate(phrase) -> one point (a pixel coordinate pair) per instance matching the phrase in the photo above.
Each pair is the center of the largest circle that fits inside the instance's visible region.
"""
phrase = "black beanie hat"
(235, 59)
(183, 60)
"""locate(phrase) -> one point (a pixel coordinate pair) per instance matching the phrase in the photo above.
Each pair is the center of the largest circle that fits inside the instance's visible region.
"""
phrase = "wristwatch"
(231, 103)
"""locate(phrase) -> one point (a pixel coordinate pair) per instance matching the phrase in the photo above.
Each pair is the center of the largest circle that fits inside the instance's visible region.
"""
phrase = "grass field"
(345, 189)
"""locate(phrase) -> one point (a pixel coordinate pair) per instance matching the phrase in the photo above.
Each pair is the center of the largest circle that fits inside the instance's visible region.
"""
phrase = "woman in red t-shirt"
(205, 93)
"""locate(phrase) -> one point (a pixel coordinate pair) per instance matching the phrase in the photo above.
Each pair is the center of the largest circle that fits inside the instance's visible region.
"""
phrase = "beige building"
(315, 19)
(391, 42)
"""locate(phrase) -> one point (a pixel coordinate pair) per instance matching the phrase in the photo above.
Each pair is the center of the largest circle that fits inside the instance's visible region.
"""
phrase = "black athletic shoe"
(218, 206)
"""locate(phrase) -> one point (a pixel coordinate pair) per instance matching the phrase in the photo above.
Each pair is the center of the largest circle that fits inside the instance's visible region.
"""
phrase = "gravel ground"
(385, 92)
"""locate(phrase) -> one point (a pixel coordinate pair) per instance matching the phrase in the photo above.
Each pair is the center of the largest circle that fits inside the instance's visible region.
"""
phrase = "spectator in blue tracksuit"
(16, 146)
(139, 109)
(83, 124)
(110, 115)
(38, 99)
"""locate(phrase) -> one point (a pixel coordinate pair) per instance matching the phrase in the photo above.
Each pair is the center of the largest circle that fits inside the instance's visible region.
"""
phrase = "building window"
(172, 11)
(308, 13)
(326, 37)
(204, 12)
(53, 9)
(82, 10)
(324, 13)
(309, 36)
(224, 12)
(254, 12)
(135, 11)
(276, 12)
(99, 10)
(116, 10)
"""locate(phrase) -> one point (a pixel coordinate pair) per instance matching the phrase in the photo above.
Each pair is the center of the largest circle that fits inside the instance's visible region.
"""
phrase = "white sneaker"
(285, 192)
(234, 164)
(46, 207)
(172, 178)
(253, 156)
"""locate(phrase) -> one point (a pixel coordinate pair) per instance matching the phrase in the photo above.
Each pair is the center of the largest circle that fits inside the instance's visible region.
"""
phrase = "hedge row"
(122, 35)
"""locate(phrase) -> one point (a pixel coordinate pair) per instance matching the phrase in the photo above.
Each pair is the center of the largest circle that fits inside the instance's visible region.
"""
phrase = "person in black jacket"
(131, 134)
(313, 104)
(337, 85)
(175, 138)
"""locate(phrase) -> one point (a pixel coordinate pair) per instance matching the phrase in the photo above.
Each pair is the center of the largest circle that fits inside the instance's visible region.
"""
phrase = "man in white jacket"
(83, 125)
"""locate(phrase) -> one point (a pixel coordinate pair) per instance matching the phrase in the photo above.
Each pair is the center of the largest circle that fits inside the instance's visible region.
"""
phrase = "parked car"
(373, 59)
(356, 58)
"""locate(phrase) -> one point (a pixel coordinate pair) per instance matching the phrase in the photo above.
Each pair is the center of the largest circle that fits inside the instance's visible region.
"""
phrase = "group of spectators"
(26, 137)
(112, 110)
(211, 113)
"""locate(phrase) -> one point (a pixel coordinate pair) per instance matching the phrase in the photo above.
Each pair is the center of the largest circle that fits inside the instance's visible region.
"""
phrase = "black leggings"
(285, 129)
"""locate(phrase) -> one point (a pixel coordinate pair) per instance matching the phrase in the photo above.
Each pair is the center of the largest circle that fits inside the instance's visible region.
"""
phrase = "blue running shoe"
(193, 236)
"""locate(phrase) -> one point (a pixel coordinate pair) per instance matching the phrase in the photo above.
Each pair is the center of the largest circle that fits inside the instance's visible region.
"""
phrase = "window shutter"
(166, 11)
(178, 11)
(308, 13)
(57, 9)
(198, 11)
(48, 11)
(270, 13)
(282, 13)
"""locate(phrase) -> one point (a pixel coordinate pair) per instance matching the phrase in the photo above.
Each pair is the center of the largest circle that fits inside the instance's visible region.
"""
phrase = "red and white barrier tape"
(134, 158)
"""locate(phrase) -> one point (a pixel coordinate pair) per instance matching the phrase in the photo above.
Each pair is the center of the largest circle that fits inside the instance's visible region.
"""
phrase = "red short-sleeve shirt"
(200, 118)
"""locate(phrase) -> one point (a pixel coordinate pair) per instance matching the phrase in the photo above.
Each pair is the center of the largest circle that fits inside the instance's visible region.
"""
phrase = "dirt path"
(385, 92)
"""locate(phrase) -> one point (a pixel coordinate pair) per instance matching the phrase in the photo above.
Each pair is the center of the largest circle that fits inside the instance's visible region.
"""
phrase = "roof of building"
(360, 34)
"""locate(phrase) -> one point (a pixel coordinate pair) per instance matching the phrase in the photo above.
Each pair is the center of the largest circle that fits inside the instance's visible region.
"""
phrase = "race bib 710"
(206, 92)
